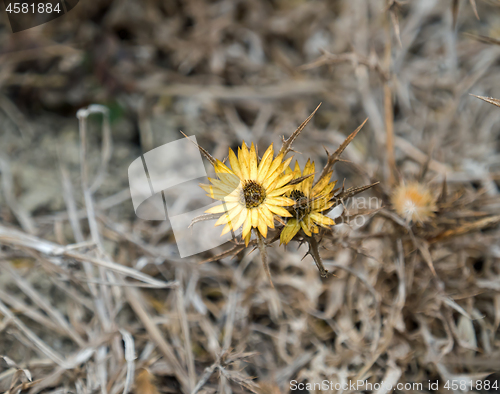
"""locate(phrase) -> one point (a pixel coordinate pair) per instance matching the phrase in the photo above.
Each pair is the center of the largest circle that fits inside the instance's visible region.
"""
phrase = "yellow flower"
(414, 202)
(309, 203)
(251, 190)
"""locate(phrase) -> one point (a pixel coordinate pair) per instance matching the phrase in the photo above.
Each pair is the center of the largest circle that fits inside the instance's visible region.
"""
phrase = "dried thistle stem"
(263, 256)
(287, 144)
(314, 252)
(335, 157)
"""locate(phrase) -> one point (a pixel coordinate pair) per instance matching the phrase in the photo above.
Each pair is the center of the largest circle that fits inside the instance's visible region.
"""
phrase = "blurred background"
(253, 70)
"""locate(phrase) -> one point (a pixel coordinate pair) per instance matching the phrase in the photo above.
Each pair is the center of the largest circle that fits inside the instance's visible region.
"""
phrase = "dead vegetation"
(94, 300)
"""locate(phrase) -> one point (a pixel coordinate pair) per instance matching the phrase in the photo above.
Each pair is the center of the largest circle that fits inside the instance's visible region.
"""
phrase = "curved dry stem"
(314, 252)
(263, 256)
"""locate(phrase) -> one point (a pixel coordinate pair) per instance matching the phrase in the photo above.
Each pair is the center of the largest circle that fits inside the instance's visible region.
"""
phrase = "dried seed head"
(252, 194)
(414, 202)
(144, 382)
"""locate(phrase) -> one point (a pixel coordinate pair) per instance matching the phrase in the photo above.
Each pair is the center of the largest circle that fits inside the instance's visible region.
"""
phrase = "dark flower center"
(301, 207)
(252, 194)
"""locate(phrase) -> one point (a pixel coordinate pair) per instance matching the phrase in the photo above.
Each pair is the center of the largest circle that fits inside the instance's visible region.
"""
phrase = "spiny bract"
(309, 203)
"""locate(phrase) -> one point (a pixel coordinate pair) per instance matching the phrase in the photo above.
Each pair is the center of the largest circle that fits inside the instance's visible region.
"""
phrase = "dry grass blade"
(32, 313)
(349, 57)
(490, 100)
(11, 364)
(484, 39)
(43, 304)
(474, 8)
(185, 331)
(128, 340)
(240, 379)
(41, 345)
(408, 301)
(389, 128)
(204, 217)
(205, 377)
(263, 255)
(107, 143)
(133, 299)
(287, 144)
(454, 12)
(423, 248)
(233, 251)
(468, 227)
(7, 185)
(393, 6)
(15, 238)
(209, 157)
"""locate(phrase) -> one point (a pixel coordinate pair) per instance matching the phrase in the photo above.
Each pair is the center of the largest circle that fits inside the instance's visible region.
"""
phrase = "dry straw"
(89, 293)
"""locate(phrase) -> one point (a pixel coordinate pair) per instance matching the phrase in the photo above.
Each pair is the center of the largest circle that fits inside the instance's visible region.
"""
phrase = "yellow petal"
(272, 178)
(218, 208)
(266, 215)
(265, 163)
(327, 191)
(224, 219)
(280, 191)
(291, 228)
(207, 188)
(253, 163)
(233, 213)
(247, 238)
(243, 160)
(278, 210)
(296, 170)
(284, 180)
(280, 201)
(220, 167)
(305, 228)
(247, 226)
(275, 164)
(224, 187)
(255, 217)
(213, 192)
(218, 195)
(238, 221)
(328, 205)
(322, 220)
(262, 228)
(227, 228)
(235, 165)
(319, 204)
(307, 184)
(318, 188)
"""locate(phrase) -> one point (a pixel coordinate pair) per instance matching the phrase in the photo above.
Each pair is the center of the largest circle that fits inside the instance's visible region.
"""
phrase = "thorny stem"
(263, 256)
(335, 157)
(314, 252)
